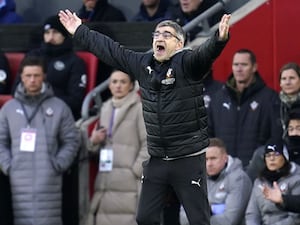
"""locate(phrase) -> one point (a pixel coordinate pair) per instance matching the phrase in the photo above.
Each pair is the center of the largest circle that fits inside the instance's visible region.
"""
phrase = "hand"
(273, 194)
(69, 20)
(98, 135)
(224, 27)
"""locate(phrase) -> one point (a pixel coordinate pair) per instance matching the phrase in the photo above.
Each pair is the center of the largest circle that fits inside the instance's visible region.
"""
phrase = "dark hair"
(178, 29)
(217, 142)
(247, 51)
(291, 65)
(33, 61)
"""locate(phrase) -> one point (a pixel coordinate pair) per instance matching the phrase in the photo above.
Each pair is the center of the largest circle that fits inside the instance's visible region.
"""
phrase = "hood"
(46, 92)
(9, 5)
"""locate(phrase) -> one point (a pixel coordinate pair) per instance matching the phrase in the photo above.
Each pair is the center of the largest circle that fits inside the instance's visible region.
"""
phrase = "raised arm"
(70, 20)
(224, 27)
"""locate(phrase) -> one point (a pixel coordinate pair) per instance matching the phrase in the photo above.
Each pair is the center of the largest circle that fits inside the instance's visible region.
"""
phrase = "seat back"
(91, 62)
(14, 60)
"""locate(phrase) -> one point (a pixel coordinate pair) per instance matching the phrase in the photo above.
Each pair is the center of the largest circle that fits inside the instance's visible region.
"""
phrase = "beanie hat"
(277, 146)
(53, 22)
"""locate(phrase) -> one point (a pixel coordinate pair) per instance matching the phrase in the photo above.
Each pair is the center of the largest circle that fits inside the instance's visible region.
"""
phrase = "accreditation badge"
(106, 160)
(28, 140)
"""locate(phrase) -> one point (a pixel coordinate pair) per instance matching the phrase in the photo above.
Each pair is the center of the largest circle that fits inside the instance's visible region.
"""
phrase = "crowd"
(250, 171)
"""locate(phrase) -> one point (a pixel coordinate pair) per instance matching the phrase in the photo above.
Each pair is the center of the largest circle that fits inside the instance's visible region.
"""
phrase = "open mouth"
(160, 48)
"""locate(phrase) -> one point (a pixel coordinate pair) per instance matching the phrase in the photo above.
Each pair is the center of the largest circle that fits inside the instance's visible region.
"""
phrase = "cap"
(277, 146)
(53, 22)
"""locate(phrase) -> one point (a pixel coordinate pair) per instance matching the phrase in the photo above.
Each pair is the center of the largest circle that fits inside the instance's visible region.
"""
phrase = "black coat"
(246, 122)
(103, 12)
(173, 107)
(4, 75)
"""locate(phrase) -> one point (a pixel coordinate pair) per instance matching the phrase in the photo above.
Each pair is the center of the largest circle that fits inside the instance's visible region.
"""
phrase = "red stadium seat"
(14, 60)
(91, 62)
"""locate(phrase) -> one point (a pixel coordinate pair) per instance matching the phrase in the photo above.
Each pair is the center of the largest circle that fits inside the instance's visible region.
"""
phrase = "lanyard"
(29, 118)
(111, 123)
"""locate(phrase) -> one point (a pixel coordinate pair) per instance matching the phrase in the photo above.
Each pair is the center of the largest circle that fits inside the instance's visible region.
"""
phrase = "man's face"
(53, 36)
(242, 68)
(165, 47)
(215, 160)
(189, 6)
(90, 4)
(32, 78)
(294, 127)
(150, 3)
(290, 82)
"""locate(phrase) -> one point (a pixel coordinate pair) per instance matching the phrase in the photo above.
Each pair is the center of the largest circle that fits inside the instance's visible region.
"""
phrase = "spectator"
(293, 135)
(4, 75)
(38, 142)
(99, 11)
(187, 10)
(228, 186)
(8, 13)
(289, 78)
(153, 11)
(286, 202)
(66, 71)
(121, 143)
(286, 174)
(170, 78)
(241, 112)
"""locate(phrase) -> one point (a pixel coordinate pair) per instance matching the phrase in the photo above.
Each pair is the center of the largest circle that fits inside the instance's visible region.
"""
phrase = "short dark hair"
(247, 51)
(217, 142)
(33, 61)
(178, 29)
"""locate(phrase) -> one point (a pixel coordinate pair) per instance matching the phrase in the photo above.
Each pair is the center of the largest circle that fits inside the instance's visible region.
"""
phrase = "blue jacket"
(8, 13)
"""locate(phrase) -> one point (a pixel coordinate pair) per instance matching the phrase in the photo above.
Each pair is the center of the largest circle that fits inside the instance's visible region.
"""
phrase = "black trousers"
(6, 213)
(186, 176)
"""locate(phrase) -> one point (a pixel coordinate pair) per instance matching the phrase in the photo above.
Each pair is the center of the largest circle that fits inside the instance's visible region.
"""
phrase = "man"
(173, 108)
(229, 187)
(38, 142)
(8, 14)
(100, 11)
(152, 11)
(66, 72)
(293, 138)
(241, 113)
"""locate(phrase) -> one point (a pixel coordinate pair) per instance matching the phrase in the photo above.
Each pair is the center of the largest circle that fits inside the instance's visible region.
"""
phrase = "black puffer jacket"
(173, 107)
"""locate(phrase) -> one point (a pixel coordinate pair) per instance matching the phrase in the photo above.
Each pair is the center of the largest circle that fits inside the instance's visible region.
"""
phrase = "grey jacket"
(232, 188)
(36, 177)
(264, 212)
